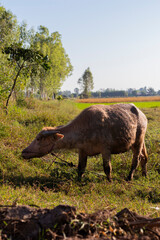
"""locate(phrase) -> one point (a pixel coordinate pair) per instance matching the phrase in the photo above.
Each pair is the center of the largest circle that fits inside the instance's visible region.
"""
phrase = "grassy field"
(153, 104)
(45, 183)
(141, 102)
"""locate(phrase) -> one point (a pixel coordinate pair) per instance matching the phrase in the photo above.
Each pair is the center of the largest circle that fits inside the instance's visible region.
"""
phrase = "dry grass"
(116, 100)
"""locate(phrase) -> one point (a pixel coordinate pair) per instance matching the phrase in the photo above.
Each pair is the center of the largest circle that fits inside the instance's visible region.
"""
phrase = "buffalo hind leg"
(107, 164)
(81, 164)
(144, 160)
(135, 161)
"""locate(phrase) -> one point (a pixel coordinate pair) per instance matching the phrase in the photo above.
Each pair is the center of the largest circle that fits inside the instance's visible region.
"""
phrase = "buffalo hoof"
(109, 179)
(128, 179)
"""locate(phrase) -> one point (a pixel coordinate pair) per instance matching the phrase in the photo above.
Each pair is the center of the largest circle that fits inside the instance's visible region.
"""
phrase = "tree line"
(111, 93)
(131, 92)
(31, 61)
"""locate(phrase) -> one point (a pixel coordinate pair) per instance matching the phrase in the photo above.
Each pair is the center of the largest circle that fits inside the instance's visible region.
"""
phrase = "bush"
(59, 98)
(29, 102)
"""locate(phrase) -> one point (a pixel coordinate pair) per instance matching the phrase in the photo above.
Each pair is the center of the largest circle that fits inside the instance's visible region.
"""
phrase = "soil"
(63, 222)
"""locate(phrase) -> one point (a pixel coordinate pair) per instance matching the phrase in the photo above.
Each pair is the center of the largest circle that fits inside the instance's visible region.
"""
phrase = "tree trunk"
(14, 84)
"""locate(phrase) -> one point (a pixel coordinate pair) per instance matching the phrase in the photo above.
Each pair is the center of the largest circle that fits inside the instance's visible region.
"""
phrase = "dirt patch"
(62, 222)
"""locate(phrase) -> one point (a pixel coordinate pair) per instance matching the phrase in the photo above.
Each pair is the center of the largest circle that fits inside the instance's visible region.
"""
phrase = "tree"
(76, 91)
(20, 51)
(51, 45)
(24, 61)
(151, 92)
(86, 83)
(9, 34)
(9, 30)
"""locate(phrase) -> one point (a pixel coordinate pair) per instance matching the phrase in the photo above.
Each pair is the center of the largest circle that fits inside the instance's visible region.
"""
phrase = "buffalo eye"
(39, 138)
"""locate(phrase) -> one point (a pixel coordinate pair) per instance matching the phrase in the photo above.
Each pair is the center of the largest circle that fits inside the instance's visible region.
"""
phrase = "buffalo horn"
(48, 133)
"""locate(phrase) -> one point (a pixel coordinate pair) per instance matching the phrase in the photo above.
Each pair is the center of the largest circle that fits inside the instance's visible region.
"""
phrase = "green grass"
(45, 183)
(138, 104)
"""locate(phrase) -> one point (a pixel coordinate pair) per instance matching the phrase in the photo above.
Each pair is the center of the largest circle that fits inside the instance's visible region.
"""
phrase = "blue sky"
(118, 39)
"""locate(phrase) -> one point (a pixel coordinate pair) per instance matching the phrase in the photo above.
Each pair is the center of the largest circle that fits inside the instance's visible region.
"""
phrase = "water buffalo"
(97, 129)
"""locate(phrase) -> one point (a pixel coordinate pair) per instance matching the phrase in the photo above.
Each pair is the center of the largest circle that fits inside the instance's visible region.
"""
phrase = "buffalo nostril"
(24, 153)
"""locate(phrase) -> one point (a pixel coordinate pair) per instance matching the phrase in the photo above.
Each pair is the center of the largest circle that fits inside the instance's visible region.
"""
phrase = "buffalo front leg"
(81, 164)
(107, 164)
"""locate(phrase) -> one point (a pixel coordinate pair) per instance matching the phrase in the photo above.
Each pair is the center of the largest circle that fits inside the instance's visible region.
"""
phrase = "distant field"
(141, 102)
(116, 100)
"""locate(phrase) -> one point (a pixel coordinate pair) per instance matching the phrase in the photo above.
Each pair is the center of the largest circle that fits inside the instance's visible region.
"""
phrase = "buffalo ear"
(58, 136)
